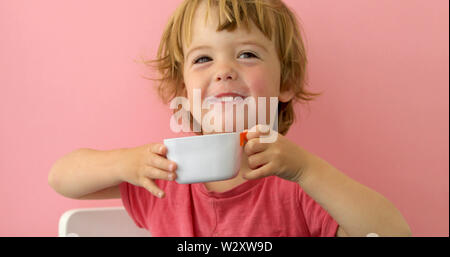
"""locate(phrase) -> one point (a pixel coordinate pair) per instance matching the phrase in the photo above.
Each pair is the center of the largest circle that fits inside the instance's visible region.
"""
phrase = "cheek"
(263, 82)
(194, 83)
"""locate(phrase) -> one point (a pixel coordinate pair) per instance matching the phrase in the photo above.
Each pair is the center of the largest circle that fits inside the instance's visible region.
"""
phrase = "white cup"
(205, 158)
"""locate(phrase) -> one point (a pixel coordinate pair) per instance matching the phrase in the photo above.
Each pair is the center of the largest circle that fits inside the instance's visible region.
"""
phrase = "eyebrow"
(196, 48)
(249, 42)
(255, 43)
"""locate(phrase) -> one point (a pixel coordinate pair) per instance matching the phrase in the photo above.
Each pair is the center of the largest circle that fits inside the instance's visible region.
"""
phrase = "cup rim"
(200, 136)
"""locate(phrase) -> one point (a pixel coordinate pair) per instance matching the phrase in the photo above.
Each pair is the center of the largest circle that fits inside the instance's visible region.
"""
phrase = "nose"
(224, 75)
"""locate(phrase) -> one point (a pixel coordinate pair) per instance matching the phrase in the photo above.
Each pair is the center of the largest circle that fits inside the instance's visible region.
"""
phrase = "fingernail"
(170, 176)
(161, 148)
(172, 167)
(160, 194)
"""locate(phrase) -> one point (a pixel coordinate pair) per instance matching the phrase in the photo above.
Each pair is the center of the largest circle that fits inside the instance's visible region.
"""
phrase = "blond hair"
(272, 17)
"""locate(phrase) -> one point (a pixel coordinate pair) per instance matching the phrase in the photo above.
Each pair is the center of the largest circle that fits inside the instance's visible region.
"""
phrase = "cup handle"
(243, 137)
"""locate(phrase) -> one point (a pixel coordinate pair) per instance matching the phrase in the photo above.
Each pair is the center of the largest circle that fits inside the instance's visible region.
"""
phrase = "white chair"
(99, 222)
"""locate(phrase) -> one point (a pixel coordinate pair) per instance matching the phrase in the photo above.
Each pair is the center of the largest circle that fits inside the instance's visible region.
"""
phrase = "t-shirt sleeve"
(319, 222)
(136, 203)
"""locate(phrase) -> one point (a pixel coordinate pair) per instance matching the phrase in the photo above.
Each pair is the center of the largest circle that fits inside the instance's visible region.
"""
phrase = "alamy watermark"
(226, 114)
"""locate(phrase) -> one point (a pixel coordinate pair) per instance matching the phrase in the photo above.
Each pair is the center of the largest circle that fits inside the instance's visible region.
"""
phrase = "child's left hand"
(281, 158)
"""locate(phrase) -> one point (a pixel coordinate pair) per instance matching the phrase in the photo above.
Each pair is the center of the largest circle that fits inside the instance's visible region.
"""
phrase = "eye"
(201, 59)
(249, 54)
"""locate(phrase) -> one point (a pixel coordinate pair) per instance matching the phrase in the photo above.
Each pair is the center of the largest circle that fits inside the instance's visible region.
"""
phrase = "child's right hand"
(146, 163)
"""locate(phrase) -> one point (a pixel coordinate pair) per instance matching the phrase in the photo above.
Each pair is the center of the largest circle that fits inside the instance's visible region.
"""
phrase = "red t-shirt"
(269, 206)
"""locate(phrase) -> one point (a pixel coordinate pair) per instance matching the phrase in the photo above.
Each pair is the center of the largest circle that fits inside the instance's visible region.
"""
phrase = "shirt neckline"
(237, 190)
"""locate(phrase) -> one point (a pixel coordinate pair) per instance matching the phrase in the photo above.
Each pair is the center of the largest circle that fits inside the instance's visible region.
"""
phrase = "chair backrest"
(99, 222)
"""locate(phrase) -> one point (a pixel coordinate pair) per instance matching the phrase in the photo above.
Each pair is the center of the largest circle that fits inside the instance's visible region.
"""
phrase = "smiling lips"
(225, 97)
(228, 97)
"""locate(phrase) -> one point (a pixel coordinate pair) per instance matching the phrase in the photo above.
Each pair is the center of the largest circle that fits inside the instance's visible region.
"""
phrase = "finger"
(257, 160)
(162, 163)
(157, 148)
(151, 186)
(254, 146)
(257, 131)
(155, 173)
(261, 172)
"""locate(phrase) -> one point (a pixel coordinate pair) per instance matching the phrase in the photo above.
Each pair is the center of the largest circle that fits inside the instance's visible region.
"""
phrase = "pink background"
(68, 80)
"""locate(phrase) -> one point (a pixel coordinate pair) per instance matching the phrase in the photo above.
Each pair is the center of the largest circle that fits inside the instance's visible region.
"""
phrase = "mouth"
(226, 97)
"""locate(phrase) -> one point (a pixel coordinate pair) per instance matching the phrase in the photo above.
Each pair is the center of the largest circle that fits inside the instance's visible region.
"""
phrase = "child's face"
(241, 63)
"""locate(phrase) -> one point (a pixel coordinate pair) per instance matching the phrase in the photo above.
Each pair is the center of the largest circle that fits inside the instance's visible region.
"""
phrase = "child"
(255, 48)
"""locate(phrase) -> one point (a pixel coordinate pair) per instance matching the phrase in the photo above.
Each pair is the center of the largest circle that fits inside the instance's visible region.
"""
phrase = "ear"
(286, 95)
